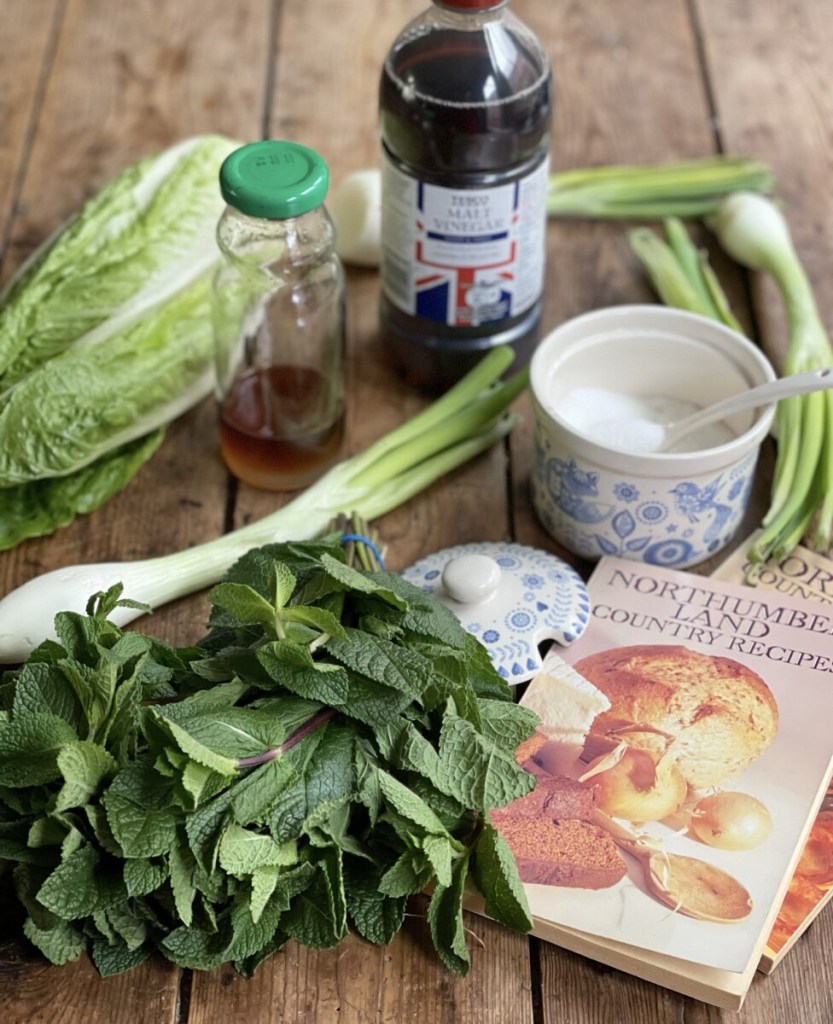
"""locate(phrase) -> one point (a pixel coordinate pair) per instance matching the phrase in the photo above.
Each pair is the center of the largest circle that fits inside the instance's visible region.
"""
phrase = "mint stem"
(269, 755)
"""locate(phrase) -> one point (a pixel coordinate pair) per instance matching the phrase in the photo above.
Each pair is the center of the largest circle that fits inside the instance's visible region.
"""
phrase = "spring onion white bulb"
(463, 422)
(753, 230)
(356, 208)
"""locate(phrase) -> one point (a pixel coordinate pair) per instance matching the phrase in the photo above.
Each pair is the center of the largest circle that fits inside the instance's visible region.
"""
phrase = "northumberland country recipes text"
(697, 614)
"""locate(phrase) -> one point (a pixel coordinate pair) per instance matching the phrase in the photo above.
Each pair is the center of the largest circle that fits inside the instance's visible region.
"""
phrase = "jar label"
(463, 257)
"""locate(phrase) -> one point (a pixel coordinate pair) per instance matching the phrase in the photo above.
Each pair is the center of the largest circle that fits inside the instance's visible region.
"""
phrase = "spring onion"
(680, 273)
(683, 188)
(754, 232)
(463, 422)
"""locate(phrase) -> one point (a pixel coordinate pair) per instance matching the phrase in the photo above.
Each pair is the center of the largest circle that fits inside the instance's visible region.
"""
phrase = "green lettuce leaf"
(40, 507)
(105, 334)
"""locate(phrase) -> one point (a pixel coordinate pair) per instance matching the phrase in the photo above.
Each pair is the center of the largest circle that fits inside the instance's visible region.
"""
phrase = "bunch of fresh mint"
(332, 746)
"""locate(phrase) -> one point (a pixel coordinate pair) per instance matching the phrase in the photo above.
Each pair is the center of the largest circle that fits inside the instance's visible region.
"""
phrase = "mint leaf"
(362, 583)
(205, 828)
(182, 865)
(445, 919)
(506, 723)
(381, 661)
(254, 797)
(317, 917)
(475, 770)
(264, 882)
(496, 876)
(247, 967)
(377, 917)
(126, 926)
(48, 831)
(425, 617)
(250, 935)
(218, 737)
(319, 619)
(374, 703)
(483, 677)
(194, 948)
(142, 876)
(60, 944)
(244, 604)
(200, 784)
(243, 851)
(439, 852)
(406, 748)
(251, 798)
(293, 668)
(409, 805)
(408, 875)
(140, 812)
(29, 748)
(15, 846)
(40, 686)
(81, 885)
(116, 958)
(85, 766)
(255, 569)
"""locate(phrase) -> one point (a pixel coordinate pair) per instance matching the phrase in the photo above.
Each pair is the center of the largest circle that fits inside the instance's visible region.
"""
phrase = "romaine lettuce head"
(105, 333)
(40, 507)
(93, 398)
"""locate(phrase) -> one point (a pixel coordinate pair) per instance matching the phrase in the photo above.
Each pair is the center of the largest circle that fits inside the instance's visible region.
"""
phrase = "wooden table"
(87, 86)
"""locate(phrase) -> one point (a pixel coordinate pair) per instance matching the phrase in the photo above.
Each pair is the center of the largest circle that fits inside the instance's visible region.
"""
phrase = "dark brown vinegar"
(461, 112)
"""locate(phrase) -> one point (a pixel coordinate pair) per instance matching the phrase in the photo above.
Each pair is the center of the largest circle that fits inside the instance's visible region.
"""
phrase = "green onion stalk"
(469, 418)
(682, 188)
(754, 232)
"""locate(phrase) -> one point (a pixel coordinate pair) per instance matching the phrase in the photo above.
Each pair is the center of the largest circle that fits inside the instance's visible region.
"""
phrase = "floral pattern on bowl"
(538, 598)
(595, 512)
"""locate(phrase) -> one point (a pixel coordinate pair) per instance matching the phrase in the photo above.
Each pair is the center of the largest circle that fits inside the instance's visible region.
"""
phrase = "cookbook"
(682, 755)
(809, 575)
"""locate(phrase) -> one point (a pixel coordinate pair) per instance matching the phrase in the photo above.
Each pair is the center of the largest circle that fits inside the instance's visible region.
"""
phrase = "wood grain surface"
(87, 86)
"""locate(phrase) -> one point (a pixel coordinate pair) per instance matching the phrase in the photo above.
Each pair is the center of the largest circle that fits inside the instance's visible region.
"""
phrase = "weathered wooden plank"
(330, 104)
(28, 30)
(359, 984)
(770, 67)
(629, 89)
(38, 994)
(128, 79)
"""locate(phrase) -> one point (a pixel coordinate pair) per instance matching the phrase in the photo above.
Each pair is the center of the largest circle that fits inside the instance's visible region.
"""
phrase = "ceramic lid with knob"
(512, 598)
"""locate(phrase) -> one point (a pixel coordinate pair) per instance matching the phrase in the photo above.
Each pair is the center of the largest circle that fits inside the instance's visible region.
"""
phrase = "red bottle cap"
(471, 4)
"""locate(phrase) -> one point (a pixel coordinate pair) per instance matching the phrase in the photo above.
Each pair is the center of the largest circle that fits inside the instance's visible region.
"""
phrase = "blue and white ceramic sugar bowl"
(594, 491)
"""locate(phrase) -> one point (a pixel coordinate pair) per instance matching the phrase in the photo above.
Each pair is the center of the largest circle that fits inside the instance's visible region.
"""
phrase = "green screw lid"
(274, 179)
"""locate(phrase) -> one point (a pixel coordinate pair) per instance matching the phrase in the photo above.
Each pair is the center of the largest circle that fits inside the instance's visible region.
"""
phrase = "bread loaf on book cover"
(553, 840)
(570, 853)
(721, 714)
(554, 796)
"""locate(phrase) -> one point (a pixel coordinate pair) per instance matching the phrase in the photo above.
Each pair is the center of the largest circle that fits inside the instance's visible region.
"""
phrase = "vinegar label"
(463, 257)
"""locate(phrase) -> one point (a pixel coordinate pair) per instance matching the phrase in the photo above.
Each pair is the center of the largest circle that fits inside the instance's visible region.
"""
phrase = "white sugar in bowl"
(601, 384)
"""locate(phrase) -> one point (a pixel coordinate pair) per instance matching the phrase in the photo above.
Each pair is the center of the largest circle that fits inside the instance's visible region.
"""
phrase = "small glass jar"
(278, 313)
